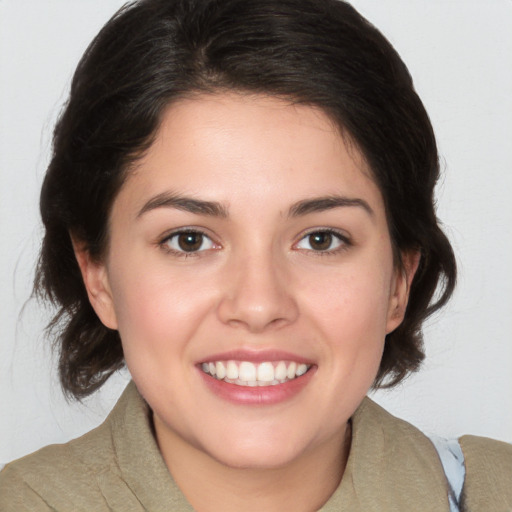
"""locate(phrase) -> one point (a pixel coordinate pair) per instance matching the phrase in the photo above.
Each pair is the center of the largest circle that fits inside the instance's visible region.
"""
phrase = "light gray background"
(460, 55)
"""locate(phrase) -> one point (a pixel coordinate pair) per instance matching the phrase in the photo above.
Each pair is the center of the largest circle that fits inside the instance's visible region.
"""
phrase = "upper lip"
(256, 356)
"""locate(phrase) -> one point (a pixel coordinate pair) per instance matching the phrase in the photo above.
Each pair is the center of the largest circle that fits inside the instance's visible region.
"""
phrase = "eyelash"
(343, 239)
(165, 241)
(344, 242)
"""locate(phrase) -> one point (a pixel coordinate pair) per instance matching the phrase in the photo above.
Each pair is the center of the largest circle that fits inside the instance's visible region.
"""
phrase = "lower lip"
(257, 395)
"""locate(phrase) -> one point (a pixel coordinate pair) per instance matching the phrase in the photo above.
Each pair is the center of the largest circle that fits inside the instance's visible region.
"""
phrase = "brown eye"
(188, 241)
(322, 241)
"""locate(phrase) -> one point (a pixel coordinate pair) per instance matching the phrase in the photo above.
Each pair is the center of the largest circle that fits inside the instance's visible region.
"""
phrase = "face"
(250, 274)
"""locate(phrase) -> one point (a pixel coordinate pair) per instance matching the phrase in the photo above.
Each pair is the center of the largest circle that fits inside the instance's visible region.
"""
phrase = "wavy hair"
(154, 52)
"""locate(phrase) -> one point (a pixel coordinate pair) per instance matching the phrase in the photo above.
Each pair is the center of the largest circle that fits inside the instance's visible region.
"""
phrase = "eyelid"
(164, 239)
(342, 236)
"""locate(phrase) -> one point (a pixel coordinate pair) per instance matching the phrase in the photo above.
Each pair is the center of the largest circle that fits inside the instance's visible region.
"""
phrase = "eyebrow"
(216, 209)
(321, 204)
(187, 204)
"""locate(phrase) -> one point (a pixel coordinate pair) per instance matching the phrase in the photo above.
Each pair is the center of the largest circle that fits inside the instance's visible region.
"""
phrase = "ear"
(94, 275)
(401, 287)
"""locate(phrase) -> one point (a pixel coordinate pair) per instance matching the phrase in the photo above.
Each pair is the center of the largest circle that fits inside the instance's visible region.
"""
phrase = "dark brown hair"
(153, 52)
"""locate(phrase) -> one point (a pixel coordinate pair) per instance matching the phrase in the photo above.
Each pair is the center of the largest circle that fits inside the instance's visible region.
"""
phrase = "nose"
(257, 294)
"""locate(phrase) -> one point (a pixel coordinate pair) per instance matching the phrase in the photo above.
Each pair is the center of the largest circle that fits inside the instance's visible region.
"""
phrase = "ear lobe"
(94, 275)
(401, 287)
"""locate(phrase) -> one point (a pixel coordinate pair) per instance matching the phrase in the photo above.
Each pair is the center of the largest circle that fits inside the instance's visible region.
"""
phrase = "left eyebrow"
(320, 204)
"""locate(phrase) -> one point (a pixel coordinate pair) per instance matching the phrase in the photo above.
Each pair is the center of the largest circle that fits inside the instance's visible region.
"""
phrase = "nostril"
(256, 296)
(257, 318)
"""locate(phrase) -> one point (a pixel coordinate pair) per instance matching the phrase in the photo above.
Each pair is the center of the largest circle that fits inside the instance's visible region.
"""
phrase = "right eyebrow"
(188, 204)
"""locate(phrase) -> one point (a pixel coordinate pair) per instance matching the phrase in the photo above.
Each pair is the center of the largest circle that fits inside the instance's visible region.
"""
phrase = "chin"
(257, 452)
(255, 461)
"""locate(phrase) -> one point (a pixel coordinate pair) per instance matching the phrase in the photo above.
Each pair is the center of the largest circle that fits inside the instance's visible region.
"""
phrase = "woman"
(240, 208)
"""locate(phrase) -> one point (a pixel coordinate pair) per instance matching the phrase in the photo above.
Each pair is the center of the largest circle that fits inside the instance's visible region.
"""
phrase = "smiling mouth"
(246, 373)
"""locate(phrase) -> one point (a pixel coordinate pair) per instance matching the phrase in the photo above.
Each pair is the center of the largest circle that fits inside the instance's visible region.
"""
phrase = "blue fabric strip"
(452, 459)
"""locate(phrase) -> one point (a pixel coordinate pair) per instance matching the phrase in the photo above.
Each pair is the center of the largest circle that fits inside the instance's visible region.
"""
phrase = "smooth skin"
(250, 224)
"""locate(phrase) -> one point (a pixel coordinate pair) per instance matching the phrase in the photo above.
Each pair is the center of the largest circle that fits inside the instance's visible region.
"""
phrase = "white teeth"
(280, 372)
(301, 370)
(245, 373)
(266, 372)
(291, 370)
(232, 370)
(220, 370)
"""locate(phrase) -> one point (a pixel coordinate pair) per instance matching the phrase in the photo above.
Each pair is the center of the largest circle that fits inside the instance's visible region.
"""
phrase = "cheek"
(348, 313)
(354, 322)
(156, 312)
(350, 310)
(352, 304)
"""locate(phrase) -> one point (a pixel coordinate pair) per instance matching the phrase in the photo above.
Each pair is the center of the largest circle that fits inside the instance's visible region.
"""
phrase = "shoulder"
(392, 464)
(488, 483)
(117, 466)
(84, 474)
(395, 455)
(51, 477)
(395, 433)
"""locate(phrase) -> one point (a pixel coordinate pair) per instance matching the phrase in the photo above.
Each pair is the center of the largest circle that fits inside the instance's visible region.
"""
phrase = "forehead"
(250, 146)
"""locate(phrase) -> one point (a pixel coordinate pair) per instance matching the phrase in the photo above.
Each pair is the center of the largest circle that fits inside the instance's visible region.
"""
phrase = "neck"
(302, 485)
